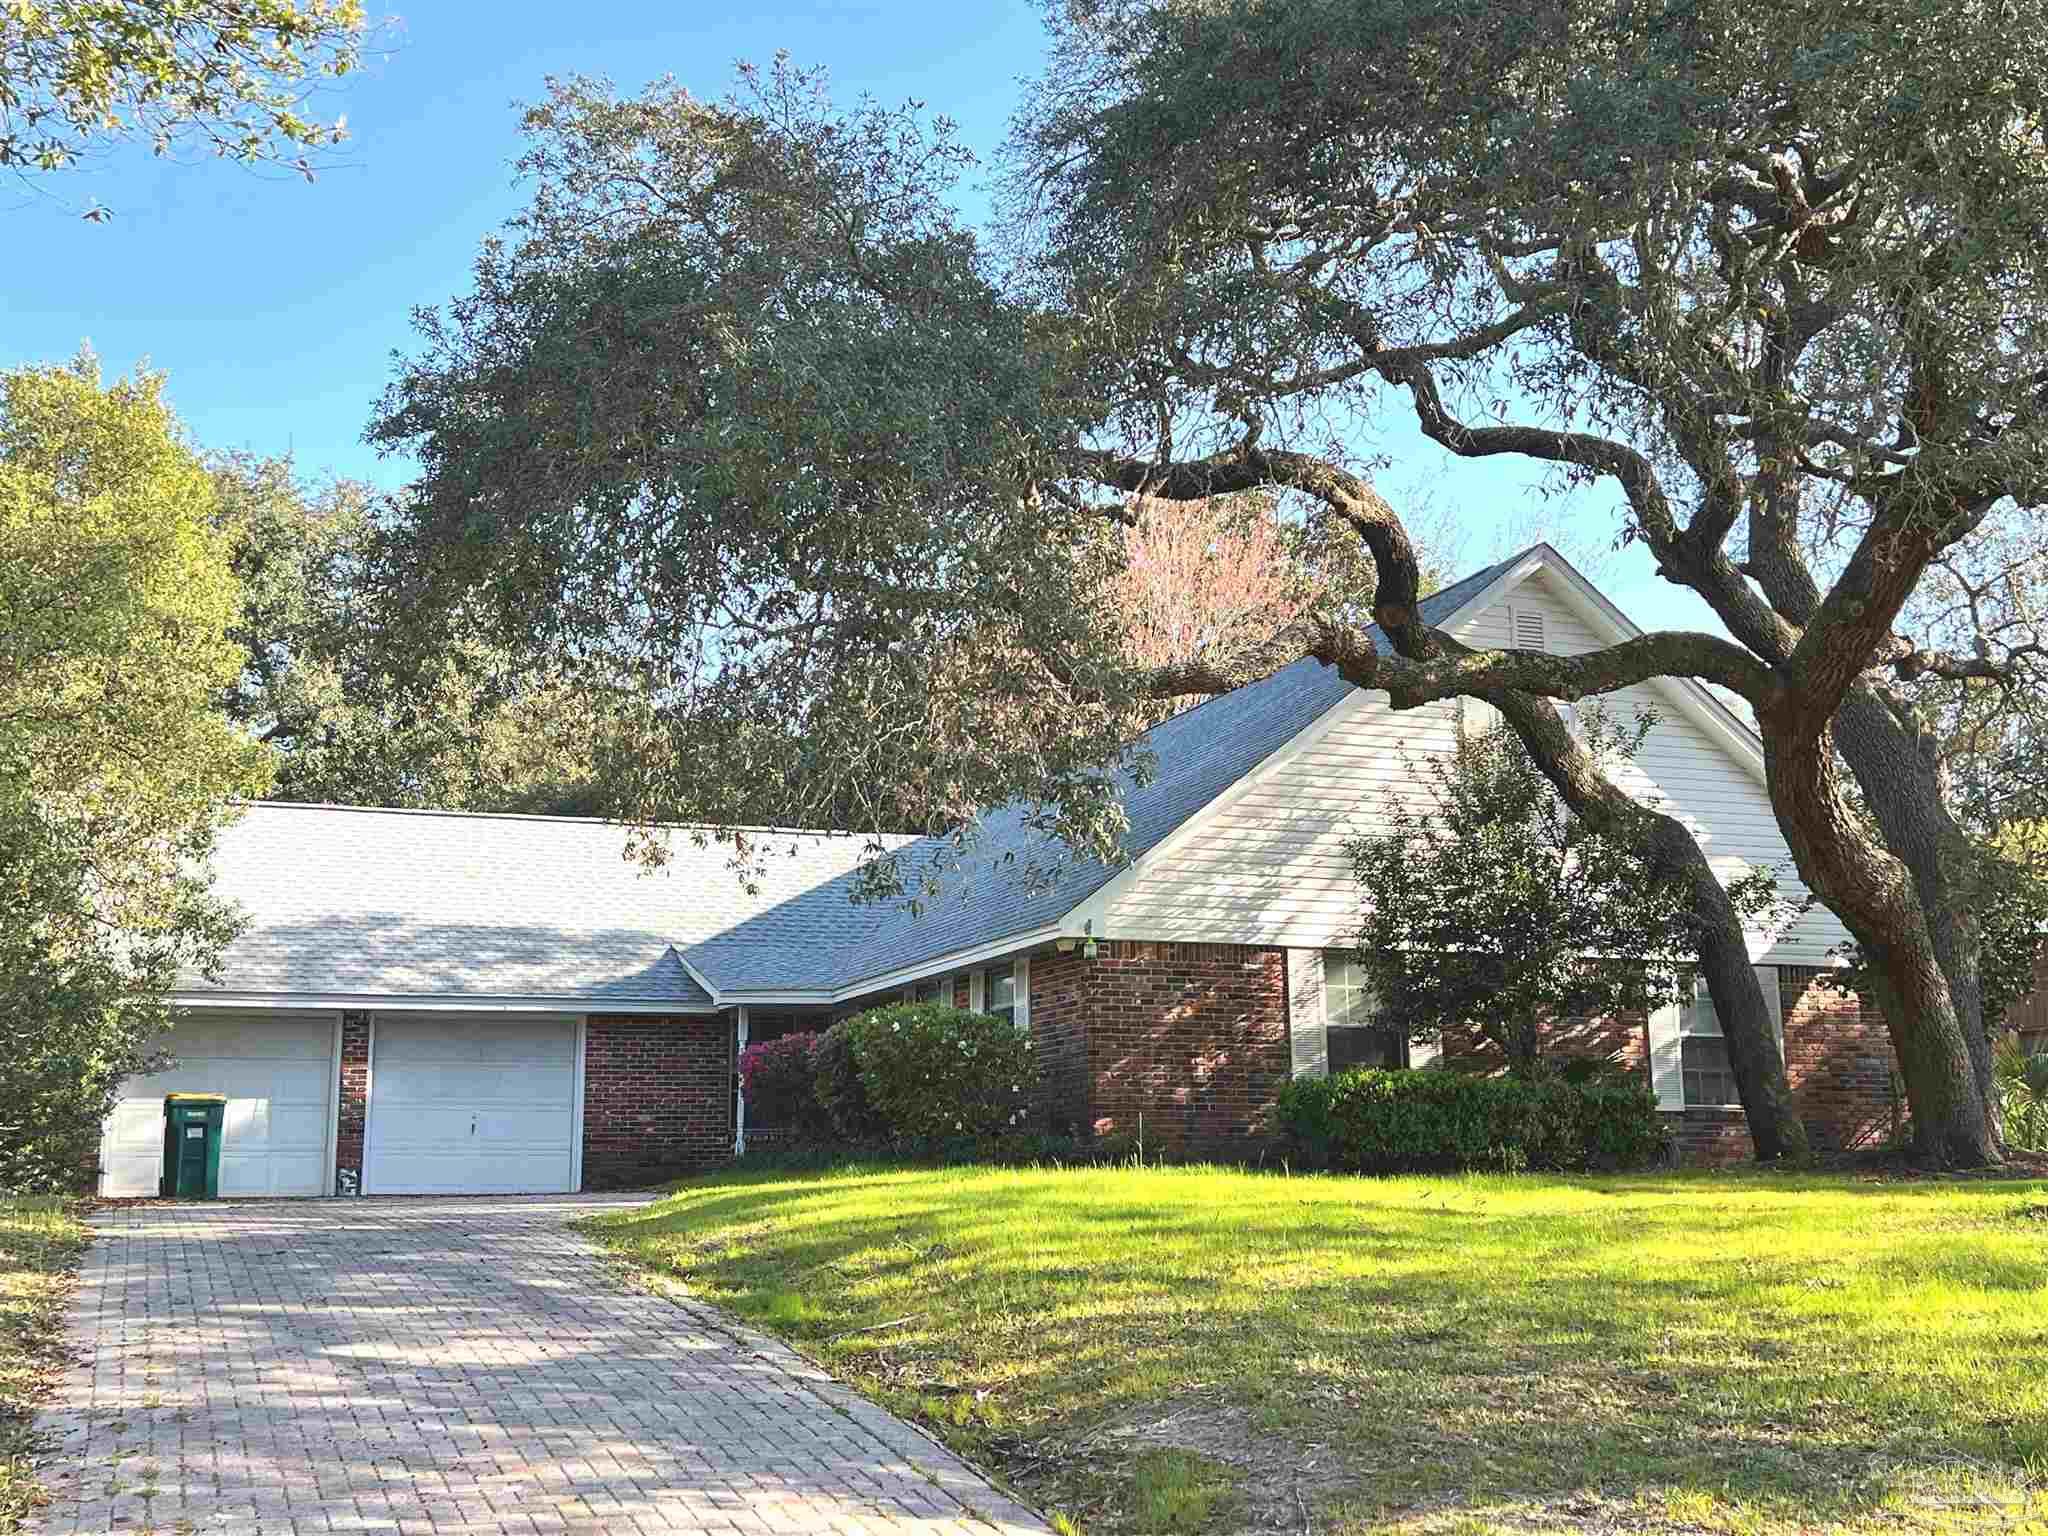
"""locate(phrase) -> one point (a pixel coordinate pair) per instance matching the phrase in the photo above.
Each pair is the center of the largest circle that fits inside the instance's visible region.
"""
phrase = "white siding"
(1266, 863)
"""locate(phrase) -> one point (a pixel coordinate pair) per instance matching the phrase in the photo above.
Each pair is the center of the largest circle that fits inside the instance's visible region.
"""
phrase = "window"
(1703, 1052)
(1356, 1038)
(999, 992)
(932, 991)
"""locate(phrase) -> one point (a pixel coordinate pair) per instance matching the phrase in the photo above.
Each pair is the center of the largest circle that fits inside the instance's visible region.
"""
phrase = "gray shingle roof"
(345, 901)
(424, 903)
(1014, 879)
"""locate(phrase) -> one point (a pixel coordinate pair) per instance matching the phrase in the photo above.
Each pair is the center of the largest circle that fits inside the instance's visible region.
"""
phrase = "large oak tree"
(740, 405)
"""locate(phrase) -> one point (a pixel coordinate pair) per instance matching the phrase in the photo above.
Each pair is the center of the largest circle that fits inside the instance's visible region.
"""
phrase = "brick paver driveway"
(435, 1366)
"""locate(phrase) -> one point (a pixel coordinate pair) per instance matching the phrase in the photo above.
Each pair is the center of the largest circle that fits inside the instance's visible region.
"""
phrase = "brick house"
(437, 1002)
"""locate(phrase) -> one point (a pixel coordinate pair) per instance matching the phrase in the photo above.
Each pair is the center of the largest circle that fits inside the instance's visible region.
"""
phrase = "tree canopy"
(233, 75)
(115, 768)
(739, 412)
(480, 732)
(738, 404)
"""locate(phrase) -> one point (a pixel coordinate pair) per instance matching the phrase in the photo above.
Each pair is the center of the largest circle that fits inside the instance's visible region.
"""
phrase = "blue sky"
(275, 305)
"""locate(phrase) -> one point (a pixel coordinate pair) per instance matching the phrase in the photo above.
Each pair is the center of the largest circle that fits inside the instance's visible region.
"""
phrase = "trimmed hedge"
(1373, 1121)
(933, 1071)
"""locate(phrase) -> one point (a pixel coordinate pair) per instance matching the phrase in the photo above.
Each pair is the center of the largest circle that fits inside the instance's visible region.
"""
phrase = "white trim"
(1774, 1003)
(1308, 1020)
(399, 1002)
(693, 973)
(334, 1115)
(575, 1107)
(1020, 988)
(977, 992)
(1667, 1063)
(900, 978)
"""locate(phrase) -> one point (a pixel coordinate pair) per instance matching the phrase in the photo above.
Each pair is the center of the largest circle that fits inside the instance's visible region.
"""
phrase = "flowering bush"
(779, 1078)
(933, 1071)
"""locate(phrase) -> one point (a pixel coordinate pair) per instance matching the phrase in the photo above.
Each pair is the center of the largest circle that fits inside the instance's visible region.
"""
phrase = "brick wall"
(657, 1098)
(1190, 1037)
(352, 1113)
(1622, 1038)
(1838, 1061)
(1060, 1000)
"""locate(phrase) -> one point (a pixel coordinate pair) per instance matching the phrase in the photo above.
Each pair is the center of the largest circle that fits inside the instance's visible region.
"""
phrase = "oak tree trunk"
(1875, 894)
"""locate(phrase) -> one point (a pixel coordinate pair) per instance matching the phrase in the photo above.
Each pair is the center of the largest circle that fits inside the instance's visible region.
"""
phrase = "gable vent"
(1527, 629)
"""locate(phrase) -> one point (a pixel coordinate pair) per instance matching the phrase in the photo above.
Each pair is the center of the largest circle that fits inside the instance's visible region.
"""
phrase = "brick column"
(353, 1111)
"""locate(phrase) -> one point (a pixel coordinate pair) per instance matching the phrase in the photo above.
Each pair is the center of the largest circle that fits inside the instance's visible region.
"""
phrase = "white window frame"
(1351, 984)
(1019, 967)
(1673, 1021)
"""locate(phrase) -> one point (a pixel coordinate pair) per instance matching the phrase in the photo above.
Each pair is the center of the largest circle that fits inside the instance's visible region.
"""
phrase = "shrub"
(2022, 1093)
(780, 1080)
(1414, 1122)
(841, 1097)
(936, 1072)
(1006, 1149)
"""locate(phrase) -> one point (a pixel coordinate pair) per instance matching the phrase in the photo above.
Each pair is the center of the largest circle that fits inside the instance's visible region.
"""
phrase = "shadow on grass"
(1802, 1342)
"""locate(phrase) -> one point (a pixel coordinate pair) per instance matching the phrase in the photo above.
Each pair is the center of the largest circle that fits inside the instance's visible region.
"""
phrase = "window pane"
(1706, 1020)
(1000, 991)
(1347, 1000)
(1708, 1077)
(1354, 1047)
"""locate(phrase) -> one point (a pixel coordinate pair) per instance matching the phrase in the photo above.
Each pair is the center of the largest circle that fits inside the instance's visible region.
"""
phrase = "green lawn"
(39, 1243)
(1688, 1351)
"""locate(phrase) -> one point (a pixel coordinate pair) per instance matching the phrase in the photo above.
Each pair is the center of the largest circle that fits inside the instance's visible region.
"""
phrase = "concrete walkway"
(437, 1366)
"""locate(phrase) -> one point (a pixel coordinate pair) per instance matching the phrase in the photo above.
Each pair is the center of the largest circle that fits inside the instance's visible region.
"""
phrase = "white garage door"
(471, 1104)
(277, 1070)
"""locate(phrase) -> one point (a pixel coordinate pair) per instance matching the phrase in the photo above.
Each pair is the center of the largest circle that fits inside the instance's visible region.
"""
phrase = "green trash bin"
(192, 1126)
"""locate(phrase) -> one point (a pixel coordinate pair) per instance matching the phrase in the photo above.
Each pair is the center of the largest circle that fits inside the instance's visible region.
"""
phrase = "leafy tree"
(740, 412)
(233, 75)
(742, 407)
(477, 733)
(2013, 909)
(115, 769)
(1489, 906)
(1774, 276)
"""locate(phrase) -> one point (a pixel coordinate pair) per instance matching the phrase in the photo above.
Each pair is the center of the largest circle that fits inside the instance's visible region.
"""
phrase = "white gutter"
(475, 1002)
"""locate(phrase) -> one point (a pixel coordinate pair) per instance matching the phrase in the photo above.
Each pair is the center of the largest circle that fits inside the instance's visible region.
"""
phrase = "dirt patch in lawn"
(1103, 1478)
